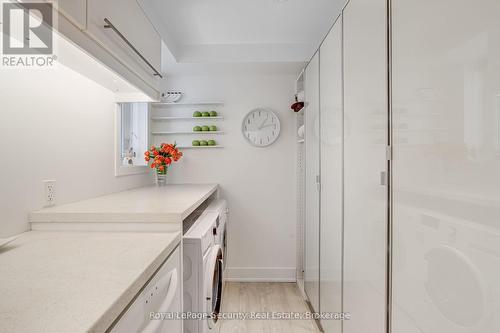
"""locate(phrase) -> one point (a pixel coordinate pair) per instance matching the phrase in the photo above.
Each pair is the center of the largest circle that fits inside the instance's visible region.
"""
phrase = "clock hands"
(262, 125)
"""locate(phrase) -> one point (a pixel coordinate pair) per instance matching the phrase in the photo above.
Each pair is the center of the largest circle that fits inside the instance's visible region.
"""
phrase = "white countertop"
(75, 281)
(168, 204)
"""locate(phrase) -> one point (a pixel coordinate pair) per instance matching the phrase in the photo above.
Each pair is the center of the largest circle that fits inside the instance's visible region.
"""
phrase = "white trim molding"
(260, 274)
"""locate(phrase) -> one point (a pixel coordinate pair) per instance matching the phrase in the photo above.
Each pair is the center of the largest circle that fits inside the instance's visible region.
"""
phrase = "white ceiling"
(242, 31)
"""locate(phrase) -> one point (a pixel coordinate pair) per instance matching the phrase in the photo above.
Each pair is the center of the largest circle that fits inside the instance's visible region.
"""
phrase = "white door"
(311, 255)
(331, 176)
(365, 197)
(446, 101)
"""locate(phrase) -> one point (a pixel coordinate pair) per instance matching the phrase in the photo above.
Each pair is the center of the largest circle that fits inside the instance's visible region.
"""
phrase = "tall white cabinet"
(417, 249)
(346, 183)
(446, 98)
(365, 162)
(331, 148)
(311, 223)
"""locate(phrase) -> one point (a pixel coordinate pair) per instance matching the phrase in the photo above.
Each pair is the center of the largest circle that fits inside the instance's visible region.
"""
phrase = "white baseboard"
(260, 274)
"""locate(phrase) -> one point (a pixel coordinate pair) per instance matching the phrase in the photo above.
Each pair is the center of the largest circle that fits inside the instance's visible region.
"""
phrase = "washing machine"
(219, 206)
(203, 275)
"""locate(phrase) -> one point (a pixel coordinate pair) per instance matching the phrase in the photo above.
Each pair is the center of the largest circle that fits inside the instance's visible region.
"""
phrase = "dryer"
(219, 206)
(203, 276)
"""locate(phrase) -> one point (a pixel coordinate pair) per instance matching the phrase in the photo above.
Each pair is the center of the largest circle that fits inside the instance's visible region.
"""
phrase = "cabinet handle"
(110, 25)
(383, 178)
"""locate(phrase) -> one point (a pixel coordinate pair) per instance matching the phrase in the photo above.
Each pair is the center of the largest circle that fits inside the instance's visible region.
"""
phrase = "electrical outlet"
(50, 192)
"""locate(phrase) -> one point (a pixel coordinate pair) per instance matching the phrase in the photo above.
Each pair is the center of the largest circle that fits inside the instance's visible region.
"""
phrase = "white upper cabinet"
(132, 25)
(132, 49)
(75, 11)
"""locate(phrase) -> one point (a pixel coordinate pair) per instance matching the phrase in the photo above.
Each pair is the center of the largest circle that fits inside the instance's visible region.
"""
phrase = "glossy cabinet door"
(75, 11)
(311, 241)
(446, 101)
(131, 21)
(365, 198)
(331, 176)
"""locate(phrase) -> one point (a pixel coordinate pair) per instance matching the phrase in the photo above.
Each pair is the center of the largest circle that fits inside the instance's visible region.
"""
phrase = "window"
(132, 138)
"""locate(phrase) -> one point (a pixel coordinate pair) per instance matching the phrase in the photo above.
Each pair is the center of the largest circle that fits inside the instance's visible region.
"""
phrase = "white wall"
(54, 124)
(259, 183)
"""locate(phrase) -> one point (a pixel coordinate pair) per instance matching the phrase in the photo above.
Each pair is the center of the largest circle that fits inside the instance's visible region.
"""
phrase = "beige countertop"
(151, 204)
(75, 281)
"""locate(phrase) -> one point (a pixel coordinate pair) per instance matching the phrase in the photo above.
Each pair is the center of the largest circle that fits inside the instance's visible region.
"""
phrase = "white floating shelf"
(192, 132)
(188, 103)
(186, 118)
(199, 147)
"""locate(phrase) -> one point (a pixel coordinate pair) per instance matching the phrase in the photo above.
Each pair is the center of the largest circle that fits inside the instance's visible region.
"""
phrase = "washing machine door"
(213, 289)
(222, 241)
(224, 246)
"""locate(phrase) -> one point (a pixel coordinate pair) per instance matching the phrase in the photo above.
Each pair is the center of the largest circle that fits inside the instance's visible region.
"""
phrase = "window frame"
(120, 169)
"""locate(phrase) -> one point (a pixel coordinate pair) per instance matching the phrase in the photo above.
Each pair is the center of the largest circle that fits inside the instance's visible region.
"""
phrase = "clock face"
(261, 127)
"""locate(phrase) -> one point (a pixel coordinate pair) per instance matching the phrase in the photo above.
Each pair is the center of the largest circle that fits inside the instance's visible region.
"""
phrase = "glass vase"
(161, 177)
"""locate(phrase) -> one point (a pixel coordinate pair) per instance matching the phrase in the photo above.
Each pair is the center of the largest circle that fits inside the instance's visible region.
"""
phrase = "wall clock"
(261, 127)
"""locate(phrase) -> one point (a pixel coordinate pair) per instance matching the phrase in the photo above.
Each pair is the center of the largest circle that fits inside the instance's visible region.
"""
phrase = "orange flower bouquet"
(161, 158)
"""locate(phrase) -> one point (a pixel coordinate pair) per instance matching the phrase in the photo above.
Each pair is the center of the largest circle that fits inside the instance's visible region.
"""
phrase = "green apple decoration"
(211, 142)
(213, 128)
(203, 143)
(213, 113)
(197, 114)
(196, 143)
(206, 114)
(205, 128)
(197, 129)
